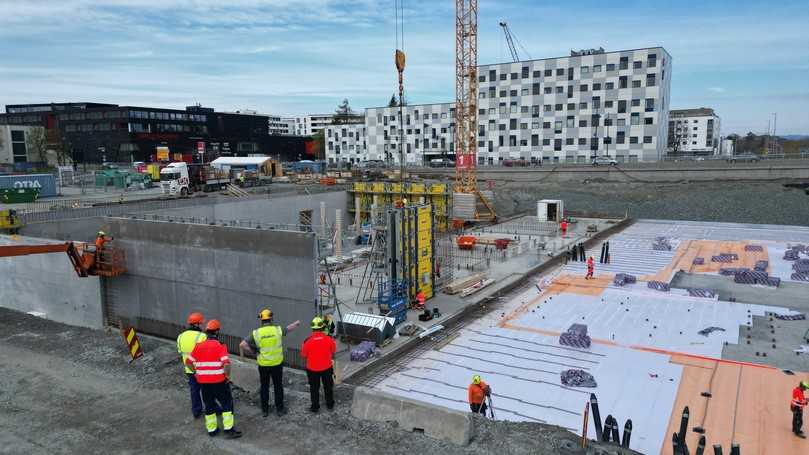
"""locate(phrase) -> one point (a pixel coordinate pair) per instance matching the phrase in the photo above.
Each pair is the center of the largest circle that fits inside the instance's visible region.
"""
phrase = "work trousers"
(196, 396)
(315, 378)
(797, 419)
(277, 374)
(217, 396)
(478, 408)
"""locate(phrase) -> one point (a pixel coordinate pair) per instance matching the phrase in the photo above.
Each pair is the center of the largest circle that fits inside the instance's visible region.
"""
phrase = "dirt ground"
(67, 390)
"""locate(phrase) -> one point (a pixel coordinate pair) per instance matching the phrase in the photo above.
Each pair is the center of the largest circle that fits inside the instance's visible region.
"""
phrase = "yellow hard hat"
(265, 315)
(476, 379)
(805, 384)
(317, 323)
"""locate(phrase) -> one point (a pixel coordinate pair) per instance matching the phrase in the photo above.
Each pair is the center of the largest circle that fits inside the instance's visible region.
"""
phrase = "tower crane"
(510, 41)
(466, 88)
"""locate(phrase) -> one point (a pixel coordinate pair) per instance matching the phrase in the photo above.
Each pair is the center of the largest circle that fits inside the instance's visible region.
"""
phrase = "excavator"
(109, 262)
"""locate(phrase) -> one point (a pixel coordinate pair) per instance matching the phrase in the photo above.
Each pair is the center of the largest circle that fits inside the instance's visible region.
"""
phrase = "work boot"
(800, 434)
(280, 411)
(213, 433)
(330, 406)
(265, 412)
(314, 410)
(233, 434)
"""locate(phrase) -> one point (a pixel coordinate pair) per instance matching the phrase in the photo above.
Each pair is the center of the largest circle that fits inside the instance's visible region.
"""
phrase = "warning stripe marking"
(130, 335)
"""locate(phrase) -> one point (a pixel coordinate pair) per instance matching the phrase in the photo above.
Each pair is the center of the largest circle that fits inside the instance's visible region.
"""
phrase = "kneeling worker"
(318, 350)
(478, 391)
(266, 341)
(212, 367)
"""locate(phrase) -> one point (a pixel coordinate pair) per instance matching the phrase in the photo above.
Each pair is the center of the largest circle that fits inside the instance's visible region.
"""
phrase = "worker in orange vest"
(420, 299)
(478, 391)
(563, 227)
(796, 406)
(101, 239)
(318, 350)
(590, 268)
(211, 365)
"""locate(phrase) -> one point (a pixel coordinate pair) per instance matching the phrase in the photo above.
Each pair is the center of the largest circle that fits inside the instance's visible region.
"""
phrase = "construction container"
(550, 210)
(153, 171)
(18, 195)
(45, 183)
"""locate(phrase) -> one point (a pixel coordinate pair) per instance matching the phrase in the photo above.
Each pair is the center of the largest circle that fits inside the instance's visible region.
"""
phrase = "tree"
(393, 102)
(58, 144)
(37, 143)
(344, 113)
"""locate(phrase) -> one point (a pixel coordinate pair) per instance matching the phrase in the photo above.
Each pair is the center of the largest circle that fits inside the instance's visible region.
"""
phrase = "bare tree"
(344, 113)
(37, 142)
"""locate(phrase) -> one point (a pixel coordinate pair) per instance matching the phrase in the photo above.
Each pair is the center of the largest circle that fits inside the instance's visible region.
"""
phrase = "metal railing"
(211, 221)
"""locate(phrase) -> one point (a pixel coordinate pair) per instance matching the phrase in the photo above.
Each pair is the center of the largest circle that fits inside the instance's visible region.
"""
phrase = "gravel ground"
(73, 390)
(740, 202)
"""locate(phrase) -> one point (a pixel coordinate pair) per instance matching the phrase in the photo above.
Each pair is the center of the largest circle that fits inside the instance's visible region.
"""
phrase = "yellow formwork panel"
(359, 187)
(395, 188)
(438, 188)
(378, 187)
(417, 188)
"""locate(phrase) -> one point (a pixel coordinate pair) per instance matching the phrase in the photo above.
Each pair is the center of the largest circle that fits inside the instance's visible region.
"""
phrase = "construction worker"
(327, 319)
(186, 342)
(478, 391)
(563, 227)
(266, 341)
(318, 350)
(211, 365)
(590, 268)
(420, 299)
(101, 239)
(796, 406)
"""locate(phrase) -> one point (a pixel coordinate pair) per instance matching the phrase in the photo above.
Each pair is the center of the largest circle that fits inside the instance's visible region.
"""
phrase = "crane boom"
(510, 40)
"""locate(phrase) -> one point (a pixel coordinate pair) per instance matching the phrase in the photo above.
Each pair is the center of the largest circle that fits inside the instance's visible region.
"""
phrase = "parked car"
(604, 161)
(744, 158)
(441, 162)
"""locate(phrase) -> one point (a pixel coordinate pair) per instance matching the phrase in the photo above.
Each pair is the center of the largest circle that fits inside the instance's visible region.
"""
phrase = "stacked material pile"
(730, 271)
(363, 351)
(801, 268)
(698, 261)
(758, 248)
(658, 286)
(793, 252)
(708, 330)
(661, 244)
(791, 317)
(698, 292)
(624, 278)
(575, 336)
(747, 276)
(761, 266)
(725, 257)
(578, 378)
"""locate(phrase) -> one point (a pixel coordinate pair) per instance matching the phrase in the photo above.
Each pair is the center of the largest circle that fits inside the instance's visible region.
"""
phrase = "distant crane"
(510, 40)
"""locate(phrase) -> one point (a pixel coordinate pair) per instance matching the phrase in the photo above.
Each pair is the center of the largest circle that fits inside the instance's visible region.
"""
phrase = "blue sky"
(746, 59)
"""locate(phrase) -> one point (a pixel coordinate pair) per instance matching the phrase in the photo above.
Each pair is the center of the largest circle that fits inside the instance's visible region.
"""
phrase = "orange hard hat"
(213, 326)
(195, 318)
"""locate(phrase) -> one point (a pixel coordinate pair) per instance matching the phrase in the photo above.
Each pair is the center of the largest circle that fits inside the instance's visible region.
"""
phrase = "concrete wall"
(47, 283)
(81, 230)
(226, 273)
(275, 210)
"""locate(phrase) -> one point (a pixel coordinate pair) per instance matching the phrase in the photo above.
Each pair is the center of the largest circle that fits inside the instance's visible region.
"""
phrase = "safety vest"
(209, 359)
(185, 344)
(270, 348)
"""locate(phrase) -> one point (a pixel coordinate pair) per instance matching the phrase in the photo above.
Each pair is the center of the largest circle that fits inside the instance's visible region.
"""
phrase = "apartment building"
(347, 143)
(565, 109)
(694, 132)
(308, 125)
(279, 126)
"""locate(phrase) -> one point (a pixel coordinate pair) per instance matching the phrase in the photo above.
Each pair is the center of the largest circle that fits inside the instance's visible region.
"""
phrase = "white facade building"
(279, 126)
(309, 125)
(346, 143)
(15, 146)
(694, 132)
(565, 109)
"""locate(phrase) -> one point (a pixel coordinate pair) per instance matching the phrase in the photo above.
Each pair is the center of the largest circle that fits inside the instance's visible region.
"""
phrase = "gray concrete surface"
(282, 209)
(226, 273)
(48, 284)
(91, 400)
(653, 172)
(411, 415)
(788, 294)
(82, 230)
(771, 341)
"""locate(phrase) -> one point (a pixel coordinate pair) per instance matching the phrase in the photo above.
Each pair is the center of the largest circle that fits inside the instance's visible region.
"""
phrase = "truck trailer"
(180, 178)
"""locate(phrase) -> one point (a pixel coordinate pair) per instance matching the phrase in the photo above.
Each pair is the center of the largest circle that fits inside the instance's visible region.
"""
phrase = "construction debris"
(463, 283)
(658, 286)
(708, 330)
(761, 266)
(576, 336)
(409, 330)
(758, 248)
(661, 244)
(747, 276)
(622, 279)
(725, 257)
(476, 287)
(363, 351)
(698, 292)
(790, 317)
(578, 378)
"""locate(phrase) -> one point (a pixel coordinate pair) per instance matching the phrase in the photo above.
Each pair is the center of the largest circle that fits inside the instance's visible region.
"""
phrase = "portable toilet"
(550, 210)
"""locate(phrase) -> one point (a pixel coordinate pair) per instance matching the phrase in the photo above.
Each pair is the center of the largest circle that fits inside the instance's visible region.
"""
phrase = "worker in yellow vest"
(266, 343)
(185, 344)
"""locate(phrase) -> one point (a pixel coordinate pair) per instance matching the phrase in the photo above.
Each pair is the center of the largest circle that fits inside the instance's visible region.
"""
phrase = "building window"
(585, 70)
(503, 109)
(620, 137)
(547, 108)
(548, 73)
(650, 104)
(513, 108)
(537, 74)
(524, 92)
(569, 141)
(534, 125)
(623, 82)
(512, 124)
(635, 102)
(583, 88)
(596, 102)
(535, 110)
(647, 139)
(546, 125)
(512, 140)
(560, 71)
(571, 121)
(558, 107)
(610, 66)
(596, 87)
(492, 75)
(637, 64)
(557, 144)
(514, 76)
(534, 140)
(583, 123)
(534, 89)
(621, 106)
(571, 106)
(648, 121)
(482, 94)
(546, 141)
(513, 93)
(503, 93)
(608, 104)
(609, 85)
(560, 89)
(504, 76)
(524, 72)
(652, 61)
(582, 106)
(633, 139)
(548, 90)
(634, 119)
(636, 83)
(624, 63)
(621, 122)
(651, 80)
(492, 111)
(557, 126)
(523, 109)
(501, 127)
(596, 68)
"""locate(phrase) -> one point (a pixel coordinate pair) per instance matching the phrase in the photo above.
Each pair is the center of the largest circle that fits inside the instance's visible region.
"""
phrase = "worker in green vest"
(266, 343)
(185, 344)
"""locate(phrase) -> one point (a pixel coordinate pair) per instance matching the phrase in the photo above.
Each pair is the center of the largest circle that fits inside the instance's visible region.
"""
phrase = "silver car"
(604, 161)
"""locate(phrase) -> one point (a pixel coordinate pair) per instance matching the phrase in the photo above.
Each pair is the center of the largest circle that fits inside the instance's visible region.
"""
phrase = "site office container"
(45, 183)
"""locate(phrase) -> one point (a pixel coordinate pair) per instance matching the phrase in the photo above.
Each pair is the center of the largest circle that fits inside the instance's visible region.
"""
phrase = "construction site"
(599, 331)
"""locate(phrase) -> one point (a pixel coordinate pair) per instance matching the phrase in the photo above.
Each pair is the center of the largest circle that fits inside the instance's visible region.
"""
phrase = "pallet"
(463, 283)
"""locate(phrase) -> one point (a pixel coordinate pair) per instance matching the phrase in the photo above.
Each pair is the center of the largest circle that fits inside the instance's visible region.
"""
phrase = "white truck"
(183, 179)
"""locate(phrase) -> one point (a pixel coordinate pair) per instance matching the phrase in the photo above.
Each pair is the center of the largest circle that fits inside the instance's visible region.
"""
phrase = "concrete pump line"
(545, 406)
(535, 351)
(538, 343)
(516, 356)
(518, 378)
